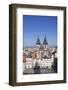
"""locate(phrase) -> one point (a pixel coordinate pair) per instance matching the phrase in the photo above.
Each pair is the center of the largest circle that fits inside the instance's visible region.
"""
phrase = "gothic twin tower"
(42, 45)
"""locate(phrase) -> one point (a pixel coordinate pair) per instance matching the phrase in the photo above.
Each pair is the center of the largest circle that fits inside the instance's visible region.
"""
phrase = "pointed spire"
(45, 41)
(38, 41)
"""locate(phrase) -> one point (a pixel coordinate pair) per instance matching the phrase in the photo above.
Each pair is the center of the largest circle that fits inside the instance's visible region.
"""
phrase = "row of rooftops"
(50, 52)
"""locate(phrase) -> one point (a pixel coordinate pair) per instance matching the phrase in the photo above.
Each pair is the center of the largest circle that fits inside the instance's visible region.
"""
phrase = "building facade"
(41, 54)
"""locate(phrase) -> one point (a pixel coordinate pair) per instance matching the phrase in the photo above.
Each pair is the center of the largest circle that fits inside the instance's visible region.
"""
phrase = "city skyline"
(39, 26)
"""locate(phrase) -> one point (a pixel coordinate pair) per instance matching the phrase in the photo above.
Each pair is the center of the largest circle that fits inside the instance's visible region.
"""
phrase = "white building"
(28, 63)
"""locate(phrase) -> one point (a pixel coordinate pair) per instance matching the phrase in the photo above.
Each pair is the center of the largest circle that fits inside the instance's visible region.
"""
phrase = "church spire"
(38, 41)
(45, 41)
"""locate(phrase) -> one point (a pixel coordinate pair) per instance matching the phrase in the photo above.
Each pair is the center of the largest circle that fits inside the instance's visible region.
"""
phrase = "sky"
(39, 26)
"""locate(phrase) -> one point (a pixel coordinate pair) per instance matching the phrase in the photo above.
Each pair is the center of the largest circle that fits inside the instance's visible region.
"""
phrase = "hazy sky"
(40, 26)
